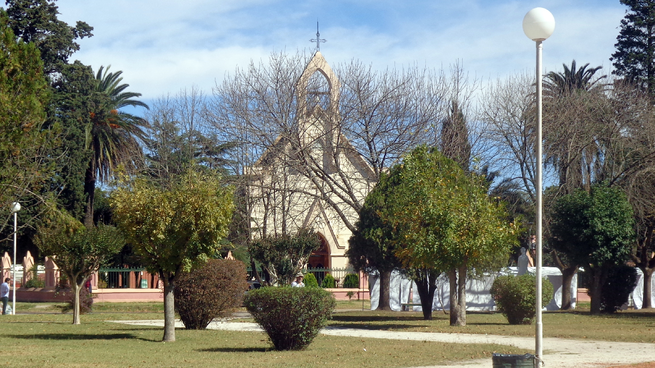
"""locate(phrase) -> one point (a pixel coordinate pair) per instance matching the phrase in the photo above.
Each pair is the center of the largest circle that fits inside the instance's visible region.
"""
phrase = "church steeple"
(318, 39)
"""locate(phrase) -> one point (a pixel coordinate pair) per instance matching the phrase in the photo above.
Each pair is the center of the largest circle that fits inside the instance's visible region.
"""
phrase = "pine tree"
(634, 58)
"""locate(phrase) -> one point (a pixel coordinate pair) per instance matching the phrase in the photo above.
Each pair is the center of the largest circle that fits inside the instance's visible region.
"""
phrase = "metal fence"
(338, 273)
(117, 278)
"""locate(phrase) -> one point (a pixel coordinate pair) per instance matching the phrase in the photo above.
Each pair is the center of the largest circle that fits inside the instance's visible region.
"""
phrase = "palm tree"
(112, 135)
(572, 79)
(574, 144)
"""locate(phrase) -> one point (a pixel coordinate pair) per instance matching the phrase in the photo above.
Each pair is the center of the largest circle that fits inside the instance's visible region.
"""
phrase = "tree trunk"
(169, 308)
(426, 287)
(89, 190)
(596, 292)
(76, 303)
(567, 278)
(255, 272)
(457, 296)
(384, 301)
(648, 282)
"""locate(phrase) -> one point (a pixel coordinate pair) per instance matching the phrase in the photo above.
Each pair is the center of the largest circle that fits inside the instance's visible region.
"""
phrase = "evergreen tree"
(634, 58)
(455, 138)
(36, 21)
(24, 142)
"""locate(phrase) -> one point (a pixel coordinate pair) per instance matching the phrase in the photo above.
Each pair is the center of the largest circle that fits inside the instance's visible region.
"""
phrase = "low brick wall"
(342, 294)
(144, 295)
(39, 295)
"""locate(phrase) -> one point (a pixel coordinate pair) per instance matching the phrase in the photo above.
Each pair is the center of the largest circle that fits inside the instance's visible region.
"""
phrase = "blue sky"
(164, 46)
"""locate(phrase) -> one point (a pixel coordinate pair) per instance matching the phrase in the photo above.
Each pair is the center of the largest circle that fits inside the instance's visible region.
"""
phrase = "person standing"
(298, 281)
(4, 294)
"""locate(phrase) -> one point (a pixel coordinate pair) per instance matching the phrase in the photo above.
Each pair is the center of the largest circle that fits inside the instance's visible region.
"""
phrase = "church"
(312, 177)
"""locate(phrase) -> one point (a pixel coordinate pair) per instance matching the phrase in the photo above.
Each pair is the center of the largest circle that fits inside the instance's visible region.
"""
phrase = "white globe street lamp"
(15, 207)
(538, 25)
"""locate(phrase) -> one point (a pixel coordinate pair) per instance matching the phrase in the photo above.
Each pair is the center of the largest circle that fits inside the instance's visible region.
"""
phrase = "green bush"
(351, 281)
(515, 297)
(620, 282)
(291, 317)
(328, 282)
(34, 283)
(209, 292)
(310, 280)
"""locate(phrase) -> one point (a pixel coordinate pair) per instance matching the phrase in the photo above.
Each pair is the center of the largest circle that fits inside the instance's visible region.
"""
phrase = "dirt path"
(558, 353)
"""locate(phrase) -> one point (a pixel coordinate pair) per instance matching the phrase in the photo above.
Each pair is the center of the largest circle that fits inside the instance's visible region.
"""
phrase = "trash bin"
(513, 361)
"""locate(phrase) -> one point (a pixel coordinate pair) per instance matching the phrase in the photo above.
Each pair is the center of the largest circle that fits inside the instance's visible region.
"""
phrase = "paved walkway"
(558, 353)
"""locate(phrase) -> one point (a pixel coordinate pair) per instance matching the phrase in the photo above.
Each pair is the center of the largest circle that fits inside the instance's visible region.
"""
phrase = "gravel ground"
(558, 353)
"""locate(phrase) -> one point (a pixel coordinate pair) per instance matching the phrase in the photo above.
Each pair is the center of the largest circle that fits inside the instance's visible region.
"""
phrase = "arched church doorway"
(320, 258)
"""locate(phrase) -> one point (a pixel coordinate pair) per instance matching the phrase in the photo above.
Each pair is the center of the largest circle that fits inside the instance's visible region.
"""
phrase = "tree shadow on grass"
(377, 326)
(235, 350)
(64, 336)
(382, 318)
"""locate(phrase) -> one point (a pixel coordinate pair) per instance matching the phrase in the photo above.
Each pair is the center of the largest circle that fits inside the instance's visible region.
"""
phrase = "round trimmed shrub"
(291, 317)
(328, 282)
(621, 281)
(515, 297)
(210, 291)
(310, 280)
(351, 281)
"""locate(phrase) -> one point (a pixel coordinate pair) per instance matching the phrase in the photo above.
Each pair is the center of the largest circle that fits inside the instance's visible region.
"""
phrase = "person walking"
(4, 294)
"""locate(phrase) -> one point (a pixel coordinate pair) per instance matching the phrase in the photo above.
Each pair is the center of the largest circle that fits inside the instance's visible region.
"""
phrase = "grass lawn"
(45, 338)
(627, 326)
(50, 340)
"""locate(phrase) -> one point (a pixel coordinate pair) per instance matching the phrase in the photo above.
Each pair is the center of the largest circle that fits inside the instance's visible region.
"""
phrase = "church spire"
(318, 39)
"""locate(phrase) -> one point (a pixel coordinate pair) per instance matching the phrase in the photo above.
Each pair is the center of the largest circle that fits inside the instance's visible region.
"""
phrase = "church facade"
(312, 177)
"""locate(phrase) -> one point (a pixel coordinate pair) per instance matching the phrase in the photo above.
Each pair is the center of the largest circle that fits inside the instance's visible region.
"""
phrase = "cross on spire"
(318, 39)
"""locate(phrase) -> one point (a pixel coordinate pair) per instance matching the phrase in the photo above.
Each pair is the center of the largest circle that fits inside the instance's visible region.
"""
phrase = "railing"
(118, 278)
(338, 273)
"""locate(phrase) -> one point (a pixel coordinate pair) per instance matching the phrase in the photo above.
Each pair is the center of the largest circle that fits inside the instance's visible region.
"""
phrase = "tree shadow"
(342, 318)
(235, 350)
(382, 326)
(64, 336)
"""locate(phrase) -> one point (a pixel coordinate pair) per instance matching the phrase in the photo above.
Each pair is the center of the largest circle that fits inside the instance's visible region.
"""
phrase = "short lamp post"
(538, 25)
(15, 207)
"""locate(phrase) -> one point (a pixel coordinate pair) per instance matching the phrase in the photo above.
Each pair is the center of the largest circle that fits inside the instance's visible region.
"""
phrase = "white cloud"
(164, 46)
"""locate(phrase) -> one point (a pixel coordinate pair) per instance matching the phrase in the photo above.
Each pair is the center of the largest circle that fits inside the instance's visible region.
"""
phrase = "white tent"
(478, 297)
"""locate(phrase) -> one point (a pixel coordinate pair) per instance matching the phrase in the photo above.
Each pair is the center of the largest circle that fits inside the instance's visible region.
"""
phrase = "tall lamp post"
(15, 207)
(538, 25)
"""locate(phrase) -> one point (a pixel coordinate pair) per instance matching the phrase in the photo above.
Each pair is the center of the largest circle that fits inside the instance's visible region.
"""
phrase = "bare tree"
(333, 131)
(337, 133)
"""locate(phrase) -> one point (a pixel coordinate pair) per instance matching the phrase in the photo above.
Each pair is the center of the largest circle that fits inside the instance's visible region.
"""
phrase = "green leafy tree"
(172, 227)
(78, 251)
(177, 138)
(69, 109)
(371, 246)
(594, 230)
(634, 57)
(444, 221)
(36, 21)
(283, 256)
(24, 142)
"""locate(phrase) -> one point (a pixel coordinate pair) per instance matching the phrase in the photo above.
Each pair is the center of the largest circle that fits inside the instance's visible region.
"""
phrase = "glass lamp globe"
(538, 24)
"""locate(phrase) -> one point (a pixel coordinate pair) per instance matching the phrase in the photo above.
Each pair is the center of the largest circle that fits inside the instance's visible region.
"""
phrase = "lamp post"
(15, 207)
(538, 25)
